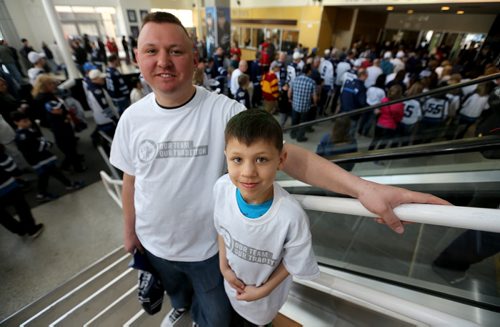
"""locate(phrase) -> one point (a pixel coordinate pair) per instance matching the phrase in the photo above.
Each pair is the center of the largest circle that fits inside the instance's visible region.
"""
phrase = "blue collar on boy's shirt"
(252, 210)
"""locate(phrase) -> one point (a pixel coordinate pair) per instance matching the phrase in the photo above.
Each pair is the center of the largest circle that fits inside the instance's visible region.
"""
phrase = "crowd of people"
(33, 102)
(348, 79)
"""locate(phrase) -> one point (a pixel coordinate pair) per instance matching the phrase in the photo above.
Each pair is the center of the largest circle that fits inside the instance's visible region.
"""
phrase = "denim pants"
(197, 285)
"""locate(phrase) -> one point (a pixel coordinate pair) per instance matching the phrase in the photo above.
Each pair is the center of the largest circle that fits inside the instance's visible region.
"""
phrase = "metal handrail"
(483, 143)
(450, 216)
(421, 95)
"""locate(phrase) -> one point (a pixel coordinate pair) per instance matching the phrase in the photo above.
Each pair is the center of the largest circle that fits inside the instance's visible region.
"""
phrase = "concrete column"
(55, 25)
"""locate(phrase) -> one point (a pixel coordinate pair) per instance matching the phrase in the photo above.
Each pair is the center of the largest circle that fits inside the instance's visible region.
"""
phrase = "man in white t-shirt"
(170, 146)
(242, 69)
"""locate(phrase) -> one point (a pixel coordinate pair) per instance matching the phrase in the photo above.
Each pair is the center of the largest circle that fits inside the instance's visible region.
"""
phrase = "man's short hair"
(250, 126)
(162, 17)
(17, 116)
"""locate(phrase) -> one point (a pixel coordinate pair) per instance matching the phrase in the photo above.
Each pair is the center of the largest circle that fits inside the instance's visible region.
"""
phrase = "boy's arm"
(130, 240)
(252, 293)
(380, 199)
(226, 270)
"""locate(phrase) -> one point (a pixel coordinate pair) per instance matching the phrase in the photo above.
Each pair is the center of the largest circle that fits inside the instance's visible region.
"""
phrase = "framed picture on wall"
(143, 13)
(132, 17)
(134, 30)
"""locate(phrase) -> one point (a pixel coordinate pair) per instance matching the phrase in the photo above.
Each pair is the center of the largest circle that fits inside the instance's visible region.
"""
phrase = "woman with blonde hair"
(53, 109)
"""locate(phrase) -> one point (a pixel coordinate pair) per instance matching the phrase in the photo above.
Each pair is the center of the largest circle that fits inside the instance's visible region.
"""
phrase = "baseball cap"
(88, 66)
(33, 56)
(387, 55)
(400, 54)
(51, 105)
(327, 52)
(297, 55)
(96, 73)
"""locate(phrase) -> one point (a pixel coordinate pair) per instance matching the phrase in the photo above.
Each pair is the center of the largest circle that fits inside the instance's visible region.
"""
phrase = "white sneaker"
(174, 315)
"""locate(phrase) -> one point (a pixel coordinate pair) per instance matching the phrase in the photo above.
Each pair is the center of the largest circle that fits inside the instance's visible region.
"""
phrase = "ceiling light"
(410, 11)
(390, 8)
(445, 8)
(460, 12)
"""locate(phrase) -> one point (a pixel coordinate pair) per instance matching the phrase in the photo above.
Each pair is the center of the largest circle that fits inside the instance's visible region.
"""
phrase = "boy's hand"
(252, 293)
(233, 281)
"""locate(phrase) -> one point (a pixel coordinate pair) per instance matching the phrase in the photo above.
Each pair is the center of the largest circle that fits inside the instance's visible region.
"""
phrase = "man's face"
(252, 168)
(3, 87)
(165, 57)
(23, 123)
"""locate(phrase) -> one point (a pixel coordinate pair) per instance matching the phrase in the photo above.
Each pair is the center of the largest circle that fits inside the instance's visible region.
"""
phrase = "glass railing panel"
(436, 115)
(453, 263)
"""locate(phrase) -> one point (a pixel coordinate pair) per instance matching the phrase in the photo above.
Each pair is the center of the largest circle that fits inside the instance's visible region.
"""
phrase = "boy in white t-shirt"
(264, 235)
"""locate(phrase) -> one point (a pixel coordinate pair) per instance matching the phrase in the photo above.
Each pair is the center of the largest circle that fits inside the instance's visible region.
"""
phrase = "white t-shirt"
(234, 81)
(176, 156)
(373, 72)
(33, 74)
(374, 95)
(255, 247)
(326, 71)
(342, 67)
(412, 113)
(474, 106)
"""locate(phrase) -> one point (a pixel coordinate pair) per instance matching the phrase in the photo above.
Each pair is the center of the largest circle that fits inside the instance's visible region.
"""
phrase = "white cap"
(327, 52)
(96, 73)
(387, 55)
(400, 54)
(33, 56)
(297, 55)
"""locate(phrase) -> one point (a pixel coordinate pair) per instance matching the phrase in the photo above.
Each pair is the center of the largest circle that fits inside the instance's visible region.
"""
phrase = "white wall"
(441, 22)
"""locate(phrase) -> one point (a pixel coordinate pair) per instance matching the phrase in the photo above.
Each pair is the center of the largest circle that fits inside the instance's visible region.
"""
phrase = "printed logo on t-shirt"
(246, 252)
(149, 150)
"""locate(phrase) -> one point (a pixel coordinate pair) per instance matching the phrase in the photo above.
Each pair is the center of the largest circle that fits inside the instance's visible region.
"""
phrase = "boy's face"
(252, 168)
(23, 123)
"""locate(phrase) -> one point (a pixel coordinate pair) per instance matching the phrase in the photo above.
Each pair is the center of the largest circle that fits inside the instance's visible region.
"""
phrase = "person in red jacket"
(388, 119)
(270, 90)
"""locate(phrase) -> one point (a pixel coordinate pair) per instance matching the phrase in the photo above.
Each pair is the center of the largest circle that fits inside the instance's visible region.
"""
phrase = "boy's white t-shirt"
(176, 156)
(255, 247)
(474, 106)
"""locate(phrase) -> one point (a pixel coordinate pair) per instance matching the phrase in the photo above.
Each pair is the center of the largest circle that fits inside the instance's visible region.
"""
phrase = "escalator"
(453, 270)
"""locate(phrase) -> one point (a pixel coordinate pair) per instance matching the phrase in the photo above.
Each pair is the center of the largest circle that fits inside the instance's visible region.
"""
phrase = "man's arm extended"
(380, 199)
(130, 240)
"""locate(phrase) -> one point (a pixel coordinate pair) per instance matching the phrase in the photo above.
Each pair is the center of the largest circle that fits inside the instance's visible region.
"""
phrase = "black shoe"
(81, 169)
(37, 230)
(75, 186)
(45, 197)
(302, 139)
(309, 129)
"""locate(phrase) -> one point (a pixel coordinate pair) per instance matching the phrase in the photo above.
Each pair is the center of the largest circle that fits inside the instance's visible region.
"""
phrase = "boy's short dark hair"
(250, 126)
(162, 17)
(243, 80)
(17, 116)
(112, 58)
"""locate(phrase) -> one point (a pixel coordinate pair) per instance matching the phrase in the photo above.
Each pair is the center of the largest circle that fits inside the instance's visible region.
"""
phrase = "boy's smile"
(252, 168)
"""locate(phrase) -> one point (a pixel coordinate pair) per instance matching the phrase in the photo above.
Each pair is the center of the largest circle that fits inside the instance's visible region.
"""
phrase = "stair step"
(93, 304)
(118, 312)
(46, 301)
(72, 296)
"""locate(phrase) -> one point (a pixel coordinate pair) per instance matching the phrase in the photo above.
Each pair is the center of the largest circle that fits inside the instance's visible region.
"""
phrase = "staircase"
(105, 294)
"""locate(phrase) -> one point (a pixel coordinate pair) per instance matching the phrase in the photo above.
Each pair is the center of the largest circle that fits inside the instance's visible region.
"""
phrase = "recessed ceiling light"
(445, 8)
(410, 11)
(460, 12)
(390, 8)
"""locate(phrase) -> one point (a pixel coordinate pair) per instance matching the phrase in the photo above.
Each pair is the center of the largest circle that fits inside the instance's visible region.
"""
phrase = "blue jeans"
(197, 285)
